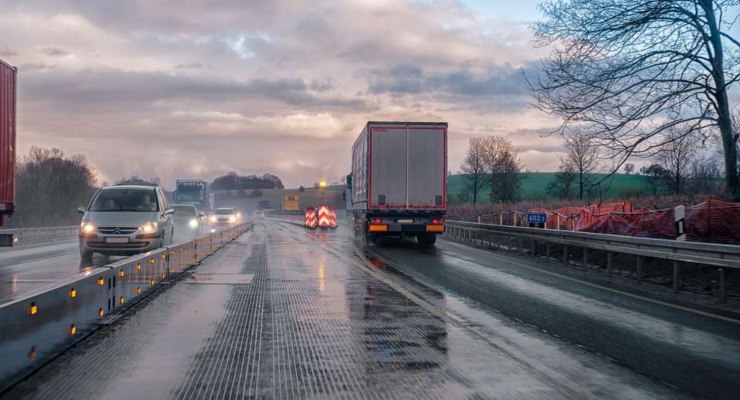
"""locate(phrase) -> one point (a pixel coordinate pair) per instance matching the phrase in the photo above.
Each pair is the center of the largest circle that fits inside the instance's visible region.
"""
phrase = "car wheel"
(86, 257)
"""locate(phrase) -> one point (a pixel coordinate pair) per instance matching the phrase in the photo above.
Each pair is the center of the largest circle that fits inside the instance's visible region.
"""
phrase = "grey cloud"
(111, 88)
(54, 52)
(191, 66)
(7, 52)
(410, 79)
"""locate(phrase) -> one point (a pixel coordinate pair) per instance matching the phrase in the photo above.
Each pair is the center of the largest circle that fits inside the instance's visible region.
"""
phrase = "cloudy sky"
(196, 89)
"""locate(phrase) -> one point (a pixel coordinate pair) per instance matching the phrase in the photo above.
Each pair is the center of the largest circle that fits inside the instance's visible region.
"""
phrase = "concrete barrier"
(41, 325)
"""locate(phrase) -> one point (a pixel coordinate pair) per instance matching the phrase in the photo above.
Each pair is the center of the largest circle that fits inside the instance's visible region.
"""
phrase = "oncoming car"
(125, 220)
(187, 220)
(224, 217)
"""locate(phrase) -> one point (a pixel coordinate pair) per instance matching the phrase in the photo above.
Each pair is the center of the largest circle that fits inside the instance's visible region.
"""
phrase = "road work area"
(284, 312)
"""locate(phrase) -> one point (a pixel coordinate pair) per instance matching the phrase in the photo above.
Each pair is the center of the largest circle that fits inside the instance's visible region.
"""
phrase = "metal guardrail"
(23, 236)
(524, 239)
(43, 324)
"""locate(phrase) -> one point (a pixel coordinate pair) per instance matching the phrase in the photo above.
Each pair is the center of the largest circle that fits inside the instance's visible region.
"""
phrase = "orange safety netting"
(711, 221)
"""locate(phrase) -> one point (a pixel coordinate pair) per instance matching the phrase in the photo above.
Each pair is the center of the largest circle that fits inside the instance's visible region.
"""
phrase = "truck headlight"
(193, 223)
(213, 219)
(148, 227)
(232, 219)
(87, 227)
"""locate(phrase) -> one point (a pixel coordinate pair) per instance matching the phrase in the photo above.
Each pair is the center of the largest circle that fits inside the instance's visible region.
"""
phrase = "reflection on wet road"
(35, 267)
(299, 314)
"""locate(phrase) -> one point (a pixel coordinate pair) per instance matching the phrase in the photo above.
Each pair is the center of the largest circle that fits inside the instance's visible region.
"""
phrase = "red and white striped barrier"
(327, 217)
(311, 221)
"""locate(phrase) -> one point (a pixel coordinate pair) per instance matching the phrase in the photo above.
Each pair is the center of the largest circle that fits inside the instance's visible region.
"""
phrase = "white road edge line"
(593, 285)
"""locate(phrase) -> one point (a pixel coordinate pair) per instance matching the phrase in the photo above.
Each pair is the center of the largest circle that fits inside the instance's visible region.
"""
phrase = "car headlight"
(232, 219)
(148, 227)
(213, 219)
(87, 227)
(193, 223)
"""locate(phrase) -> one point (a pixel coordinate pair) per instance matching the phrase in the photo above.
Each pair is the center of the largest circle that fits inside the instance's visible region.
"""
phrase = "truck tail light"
(378, 228)
(375, 221)
(436, 221)
(436, 228)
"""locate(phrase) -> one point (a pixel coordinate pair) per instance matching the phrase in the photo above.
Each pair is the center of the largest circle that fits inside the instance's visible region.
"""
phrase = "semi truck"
(7, 144)
(399, 181)
(193, 191)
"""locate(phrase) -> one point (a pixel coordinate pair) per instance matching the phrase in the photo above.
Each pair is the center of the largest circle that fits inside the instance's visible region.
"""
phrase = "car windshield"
(224, 211)
(184, 211)
(125, 200)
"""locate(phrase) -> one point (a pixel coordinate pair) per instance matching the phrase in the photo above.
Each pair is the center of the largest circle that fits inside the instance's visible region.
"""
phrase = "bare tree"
(629, 168)
(629, 70)
(47, 177)
(582, 157)
(474, 167)
(677, 157)
(562, 186)
(504, 169)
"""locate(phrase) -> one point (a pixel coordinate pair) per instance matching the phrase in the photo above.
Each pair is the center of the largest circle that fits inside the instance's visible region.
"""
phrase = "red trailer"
(7, 139)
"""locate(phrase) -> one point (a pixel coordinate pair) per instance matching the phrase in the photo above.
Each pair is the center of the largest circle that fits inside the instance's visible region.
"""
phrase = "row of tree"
(49, 188)
(234, 181)
(491, 162)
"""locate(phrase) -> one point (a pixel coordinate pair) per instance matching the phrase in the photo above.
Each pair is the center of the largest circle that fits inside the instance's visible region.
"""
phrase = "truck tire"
(426, 241)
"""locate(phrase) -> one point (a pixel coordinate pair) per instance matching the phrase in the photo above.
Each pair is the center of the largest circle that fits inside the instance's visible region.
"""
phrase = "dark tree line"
(50, 187)
(234, 181)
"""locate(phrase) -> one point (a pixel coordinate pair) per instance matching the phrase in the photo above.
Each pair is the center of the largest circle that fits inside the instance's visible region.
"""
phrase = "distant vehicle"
(224, 217)
(125, 220)
(186, 218)
(193, 191)
(399, 180)
(7, 143)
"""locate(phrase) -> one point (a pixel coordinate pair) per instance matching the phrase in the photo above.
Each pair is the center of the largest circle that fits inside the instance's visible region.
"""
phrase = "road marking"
(596, 286)
(367, 267)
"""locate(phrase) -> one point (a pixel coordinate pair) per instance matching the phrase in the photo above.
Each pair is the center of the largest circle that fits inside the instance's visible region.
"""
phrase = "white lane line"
(367, 267)
(596, 286)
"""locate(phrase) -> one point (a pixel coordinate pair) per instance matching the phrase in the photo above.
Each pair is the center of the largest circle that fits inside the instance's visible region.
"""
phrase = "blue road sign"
(536, 218)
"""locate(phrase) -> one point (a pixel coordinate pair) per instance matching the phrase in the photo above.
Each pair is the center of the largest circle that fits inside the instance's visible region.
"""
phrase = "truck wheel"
(425, 241)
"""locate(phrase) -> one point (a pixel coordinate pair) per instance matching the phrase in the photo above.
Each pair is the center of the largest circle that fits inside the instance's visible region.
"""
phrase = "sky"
(194, 89)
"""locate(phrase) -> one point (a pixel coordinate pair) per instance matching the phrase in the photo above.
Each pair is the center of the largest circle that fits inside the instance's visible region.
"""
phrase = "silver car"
(125, 220)
(188, 221)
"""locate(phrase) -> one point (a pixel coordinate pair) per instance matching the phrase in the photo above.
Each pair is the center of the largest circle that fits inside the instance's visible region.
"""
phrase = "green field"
(534, 186)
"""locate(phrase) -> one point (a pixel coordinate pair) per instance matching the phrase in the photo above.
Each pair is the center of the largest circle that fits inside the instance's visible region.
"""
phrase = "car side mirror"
(201, 215)
(169, 212)
(81, 210)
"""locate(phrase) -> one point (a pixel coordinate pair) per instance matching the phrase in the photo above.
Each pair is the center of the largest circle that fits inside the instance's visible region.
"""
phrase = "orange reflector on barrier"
(32, 353)
(377, 228)
(151, 281)
(121, 300)
(101, 312)
(72, 330)
(151, 261)
(72, 293)
(435, 228)
(138, 290)
(121, 273)
(33, 309)
(138, 266)
(101, 281)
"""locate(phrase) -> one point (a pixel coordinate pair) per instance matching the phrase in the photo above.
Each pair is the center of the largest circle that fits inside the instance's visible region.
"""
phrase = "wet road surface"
(288, 313)
(36, 267)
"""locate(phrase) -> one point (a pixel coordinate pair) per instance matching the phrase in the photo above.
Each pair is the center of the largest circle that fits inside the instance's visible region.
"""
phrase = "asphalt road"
(287, 313)
(34, 267)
